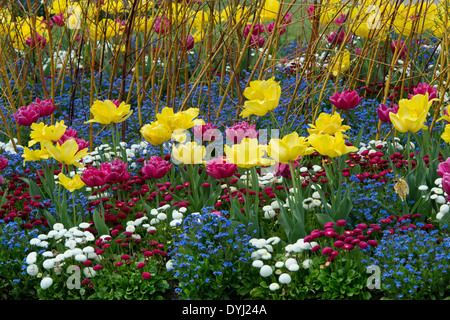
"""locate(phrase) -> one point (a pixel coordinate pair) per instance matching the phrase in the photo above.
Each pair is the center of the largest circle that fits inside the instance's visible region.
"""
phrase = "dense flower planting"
(173, 150)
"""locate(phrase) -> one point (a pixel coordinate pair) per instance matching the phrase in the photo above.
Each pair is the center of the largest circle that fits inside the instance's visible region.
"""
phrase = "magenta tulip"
(26, 116)
(220, 169)
(423, 88)
(383, 112)
(116, 171)
(155, 168)
(444, 167)
(239, 131)
(46, 106)
(206, 132)
(94, 177)
(345, 100)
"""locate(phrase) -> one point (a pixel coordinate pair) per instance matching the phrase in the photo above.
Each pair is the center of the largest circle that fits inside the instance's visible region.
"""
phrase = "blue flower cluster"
(211, 252)
(414, 264)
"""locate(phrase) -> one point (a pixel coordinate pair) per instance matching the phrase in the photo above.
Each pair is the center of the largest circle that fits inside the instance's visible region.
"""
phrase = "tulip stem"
(156, 192)
(74, 209)
(408, 147)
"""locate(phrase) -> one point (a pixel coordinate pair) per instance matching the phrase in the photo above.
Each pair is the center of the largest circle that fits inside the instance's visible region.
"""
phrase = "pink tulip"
(220, 169)
(59, 20)
(383, 112)
(423, 88)
(26, 116)
(189, 43)
(257, 29)
(116, 171)
(444, 167)
(345, 100)
(257, 41)
(161, 25)
(401, 51)
(47, 107)
(310, 11)
(94, 177)
(239, 131)
(284, 170)
(40, 41)
(206, 132)
(339, 37)
(3, 163)
(155, 168)
(446, 184)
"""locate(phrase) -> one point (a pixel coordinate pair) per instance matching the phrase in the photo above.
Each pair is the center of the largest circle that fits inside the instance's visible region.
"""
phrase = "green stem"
(74, 209)
(408, 147)
(156, 192)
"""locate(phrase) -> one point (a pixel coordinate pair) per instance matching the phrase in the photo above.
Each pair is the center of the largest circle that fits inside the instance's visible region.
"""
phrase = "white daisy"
(46, 283)
(285, 278)
(32, 270)
(265, 271)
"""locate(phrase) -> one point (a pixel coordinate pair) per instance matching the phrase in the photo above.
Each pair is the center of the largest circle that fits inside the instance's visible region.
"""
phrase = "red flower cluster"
(338, 238)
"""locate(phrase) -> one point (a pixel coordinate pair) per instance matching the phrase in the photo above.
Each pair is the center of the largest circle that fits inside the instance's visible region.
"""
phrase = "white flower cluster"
(73, 245)
(439, 195)
(283, 267)
(61, 58)
(9, 147)
(160, 215)
(372, 144)
(263, 179)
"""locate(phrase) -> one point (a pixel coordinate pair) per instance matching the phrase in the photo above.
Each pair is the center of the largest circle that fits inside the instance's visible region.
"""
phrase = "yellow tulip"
(371, 17)
(235, 14)
(156, 133)
(412, 113)
(60, 6)
(105, 29)
(67, 153)
(41, 132)
(289, 148)
(189, 153)
(113, 6)
(34, 155)
(5, 20)
(446, 134)
(263, 96)
(270, 10)
(331, 146)
(180, 120)
(71, 184)
(415, 19)
(248, 153)
(106, 112)
(328, 124)
(340, 63)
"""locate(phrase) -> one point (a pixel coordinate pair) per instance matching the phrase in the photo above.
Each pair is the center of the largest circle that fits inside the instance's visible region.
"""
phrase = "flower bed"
(156, 151)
